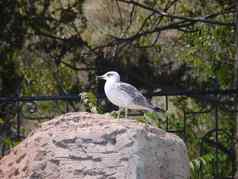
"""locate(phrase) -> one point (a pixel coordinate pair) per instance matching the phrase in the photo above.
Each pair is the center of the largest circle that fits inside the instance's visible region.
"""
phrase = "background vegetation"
(55, 47)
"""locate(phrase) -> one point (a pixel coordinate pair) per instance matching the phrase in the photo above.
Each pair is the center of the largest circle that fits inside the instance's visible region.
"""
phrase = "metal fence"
(217, 108)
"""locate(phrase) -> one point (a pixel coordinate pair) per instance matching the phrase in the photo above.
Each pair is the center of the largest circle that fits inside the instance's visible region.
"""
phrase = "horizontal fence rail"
(39, 98)
(161, 93)
(197, 92)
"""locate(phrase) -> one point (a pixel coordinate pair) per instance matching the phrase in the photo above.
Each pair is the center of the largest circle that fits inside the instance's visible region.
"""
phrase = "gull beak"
(100, 77)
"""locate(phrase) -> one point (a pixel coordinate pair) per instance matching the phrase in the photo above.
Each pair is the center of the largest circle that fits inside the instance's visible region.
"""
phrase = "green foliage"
(9, 143)
(90, 101)
(1, 121)
(154, 119)
(208, 50)
(201, 162)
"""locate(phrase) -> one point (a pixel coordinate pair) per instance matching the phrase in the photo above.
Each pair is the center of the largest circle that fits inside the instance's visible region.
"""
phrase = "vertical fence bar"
(3, 150)
(201, 166)
(18, 121)
(184, 126)
(216, 140)
(18, 115)
(166, 109)
(67, 106)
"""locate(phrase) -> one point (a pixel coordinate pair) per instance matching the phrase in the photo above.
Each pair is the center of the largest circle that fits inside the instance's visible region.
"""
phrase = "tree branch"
(175, 25)
(203, 19)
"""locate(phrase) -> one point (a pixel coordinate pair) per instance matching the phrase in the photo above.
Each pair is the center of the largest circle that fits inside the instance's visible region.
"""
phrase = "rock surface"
(92, 146)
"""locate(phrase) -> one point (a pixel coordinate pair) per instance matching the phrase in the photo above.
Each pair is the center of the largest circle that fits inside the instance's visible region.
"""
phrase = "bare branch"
(175, 25)
(73, 67)
(120, 14)
(190, 19)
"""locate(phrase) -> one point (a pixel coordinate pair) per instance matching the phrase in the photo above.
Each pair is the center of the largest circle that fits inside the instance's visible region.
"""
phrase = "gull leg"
(126, 112)
(118, 113)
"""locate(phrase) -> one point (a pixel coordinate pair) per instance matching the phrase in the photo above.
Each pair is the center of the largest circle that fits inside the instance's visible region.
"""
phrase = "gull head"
(110, 76)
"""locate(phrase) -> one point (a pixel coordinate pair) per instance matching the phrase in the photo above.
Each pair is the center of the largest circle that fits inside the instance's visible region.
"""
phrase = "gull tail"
(157, 109)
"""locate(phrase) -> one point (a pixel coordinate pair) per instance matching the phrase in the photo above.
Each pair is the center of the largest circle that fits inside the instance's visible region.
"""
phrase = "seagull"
(125, 95)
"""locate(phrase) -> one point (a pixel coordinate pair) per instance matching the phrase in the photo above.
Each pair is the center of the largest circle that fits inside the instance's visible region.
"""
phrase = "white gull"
(125, 95)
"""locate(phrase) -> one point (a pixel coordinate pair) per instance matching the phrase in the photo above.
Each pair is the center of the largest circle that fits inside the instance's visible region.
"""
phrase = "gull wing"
(137, 98)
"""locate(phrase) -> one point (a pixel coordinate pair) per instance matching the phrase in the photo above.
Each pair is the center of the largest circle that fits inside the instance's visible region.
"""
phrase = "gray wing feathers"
(136, 96)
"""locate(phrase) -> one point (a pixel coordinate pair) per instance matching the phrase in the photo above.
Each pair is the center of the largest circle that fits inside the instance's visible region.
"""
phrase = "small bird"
(125, 95)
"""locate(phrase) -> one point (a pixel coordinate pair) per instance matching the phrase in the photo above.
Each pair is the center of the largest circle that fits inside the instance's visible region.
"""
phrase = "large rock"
(91, 146)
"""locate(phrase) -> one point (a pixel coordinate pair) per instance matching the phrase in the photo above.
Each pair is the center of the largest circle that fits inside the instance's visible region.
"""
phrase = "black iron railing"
(15, 111)
(218, 107)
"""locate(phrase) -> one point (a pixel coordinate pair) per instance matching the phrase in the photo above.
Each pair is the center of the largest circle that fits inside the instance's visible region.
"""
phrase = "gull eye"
(109, 74)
